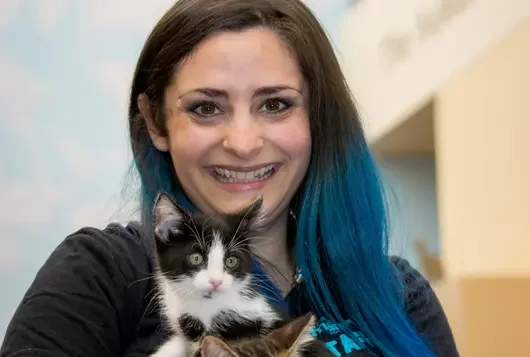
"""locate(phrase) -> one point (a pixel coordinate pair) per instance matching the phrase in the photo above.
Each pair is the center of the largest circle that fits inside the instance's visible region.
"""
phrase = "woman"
(233, 99)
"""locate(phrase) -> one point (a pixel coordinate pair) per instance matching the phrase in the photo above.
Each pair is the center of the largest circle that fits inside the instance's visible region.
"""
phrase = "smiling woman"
(233, 100)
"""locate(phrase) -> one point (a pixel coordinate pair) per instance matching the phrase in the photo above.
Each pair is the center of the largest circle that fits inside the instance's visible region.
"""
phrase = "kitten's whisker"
(154, 301)
(198, 235)
(261, 285)
(244, 250)
(253, 239)
(246, 242)
(241, 222)
(234, 243)
(195, 232)
(269, 266)
(142, 279)
(180, 289)
(204, 226)
(257, 286)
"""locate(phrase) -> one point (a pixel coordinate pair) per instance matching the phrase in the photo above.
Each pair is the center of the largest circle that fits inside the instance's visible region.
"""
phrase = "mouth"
(244, 175)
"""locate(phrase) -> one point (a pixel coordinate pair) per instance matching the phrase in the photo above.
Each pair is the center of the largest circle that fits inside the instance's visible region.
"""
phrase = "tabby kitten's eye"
(231, 262)
(196, 259)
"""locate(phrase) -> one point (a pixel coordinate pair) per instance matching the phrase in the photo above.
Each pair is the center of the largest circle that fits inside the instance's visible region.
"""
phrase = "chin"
(236, 203)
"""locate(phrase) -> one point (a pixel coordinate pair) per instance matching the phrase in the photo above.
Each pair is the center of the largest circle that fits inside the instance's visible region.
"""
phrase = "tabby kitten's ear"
(168, 217)
(213, 347)
(293, 337)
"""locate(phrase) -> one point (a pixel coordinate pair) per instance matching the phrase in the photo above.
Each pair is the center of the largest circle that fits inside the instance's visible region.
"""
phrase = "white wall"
(399, 52)
(65, 69)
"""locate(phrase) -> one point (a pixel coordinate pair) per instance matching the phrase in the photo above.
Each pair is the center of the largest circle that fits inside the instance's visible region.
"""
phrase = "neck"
(271, 246)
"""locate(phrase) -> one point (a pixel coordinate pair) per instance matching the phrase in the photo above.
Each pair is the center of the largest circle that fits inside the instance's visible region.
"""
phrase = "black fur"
(191, 327)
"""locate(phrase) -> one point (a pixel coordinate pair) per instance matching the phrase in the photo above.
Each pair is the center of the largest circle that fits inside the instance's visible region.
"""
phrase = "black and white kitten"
(203, 274)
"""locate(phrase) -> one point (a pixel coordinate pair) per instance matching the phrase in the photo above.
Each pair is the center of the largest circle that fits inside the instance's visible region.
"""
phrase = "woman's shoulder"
(407, 273)
(424, 309)
(116, 255)
(90, 292)
(116, 244)
(131, 234)
(416, 288)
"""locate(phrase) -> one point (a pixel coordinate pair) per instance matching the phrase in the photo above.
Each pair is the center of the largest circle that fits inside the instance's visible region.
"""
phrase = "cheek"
(179, 288)
(200, 281)
(294, 138)
(185, 147)
(227, 280)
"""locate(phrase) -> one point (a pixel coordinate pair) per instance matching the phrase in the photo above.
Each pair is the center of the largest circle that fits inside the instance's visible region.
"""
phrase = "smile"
(243, 175)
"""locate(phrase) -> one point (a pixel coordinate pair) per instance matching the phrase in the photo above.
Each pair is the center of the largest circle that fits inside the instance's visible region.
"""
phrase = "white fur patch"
(170, 301)
(215, 269)
(216, 258)
(180, 298)
(176, 346)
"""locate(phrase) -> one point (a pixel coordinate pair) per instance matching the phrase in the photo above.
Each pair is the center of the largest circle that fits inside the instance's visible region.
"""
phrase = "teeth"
(239, 176)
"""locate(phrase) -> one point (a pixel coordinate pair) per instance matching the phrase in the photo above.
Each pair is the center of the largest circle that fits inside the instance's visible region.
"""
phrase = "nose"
(243, 138)
(215, 283)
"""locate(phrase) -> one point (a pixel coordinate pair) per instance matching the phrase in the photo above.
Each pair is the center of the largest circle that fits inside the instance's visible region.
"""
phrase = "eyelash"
(193, 107)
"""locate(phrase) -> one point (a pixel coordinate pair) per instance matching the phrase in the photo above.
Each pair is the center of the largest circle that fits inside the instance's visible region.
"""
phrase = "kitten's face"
(287, 341)
(204, 257)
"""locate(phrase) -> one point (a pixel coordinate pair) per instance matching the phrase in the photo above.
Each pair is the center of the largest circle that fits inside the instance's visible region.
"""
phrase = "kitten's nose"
(215, 283)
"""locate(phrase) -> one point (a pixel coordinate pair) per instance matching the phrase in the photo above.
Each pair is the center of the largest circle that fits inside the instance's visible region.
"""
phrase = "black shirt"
(94, 298)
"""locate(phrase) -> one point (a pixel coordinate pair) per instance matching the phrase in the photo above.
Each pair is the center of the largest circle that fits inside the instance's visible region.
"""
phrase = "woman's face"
(237, 123)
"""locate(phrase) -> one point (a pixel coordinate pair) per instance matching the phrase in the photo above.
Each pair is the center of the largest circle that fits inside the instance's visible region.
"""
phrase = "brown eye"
(231, 262)
(274, 105)
(205, 109)
(196, 259)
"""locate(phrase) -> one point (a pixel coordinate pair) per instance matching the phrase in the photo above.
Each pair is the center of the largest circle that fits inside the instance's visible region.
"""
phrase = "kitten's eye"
(231, 262)
(196, 259)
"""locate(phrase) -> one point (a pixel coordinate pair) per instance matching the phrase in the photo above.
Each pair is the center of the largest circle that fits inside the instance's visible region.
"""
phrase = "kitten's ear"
(213, 347)
(168, 217)
(252, 217)
(294, 336)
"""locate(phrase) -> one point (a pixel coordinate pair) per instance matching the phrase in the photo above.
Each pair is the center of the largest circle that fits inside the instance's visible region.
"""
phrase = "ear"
(168, 217)
(252, 217)
(213, 347)
(294, 336)
(159, 141)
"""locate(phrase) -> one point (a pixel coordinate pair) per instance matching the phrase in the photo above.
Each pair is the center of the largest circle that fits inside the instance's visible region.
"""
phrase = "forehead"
(238, 61)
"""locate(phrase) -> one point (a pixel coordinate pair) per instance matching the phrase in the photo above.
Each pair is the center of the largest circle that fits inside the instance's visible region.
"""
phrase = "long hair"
(341, 240)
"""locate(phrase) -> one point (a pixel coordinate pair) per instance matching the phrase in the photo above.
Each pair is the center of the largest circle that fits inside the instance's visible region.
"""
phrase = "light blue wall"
(412, 199)
(65, 69)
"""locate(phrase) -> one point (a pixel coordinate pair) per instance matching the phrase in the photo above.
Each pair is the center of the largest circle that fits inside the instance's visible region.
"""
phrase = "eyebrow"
(215, 93)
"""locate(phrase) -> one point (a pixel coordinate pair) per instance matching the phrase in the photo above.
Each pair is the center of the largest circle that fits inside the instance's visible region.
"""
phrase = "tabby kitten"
(291, 340)
(203, 274)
